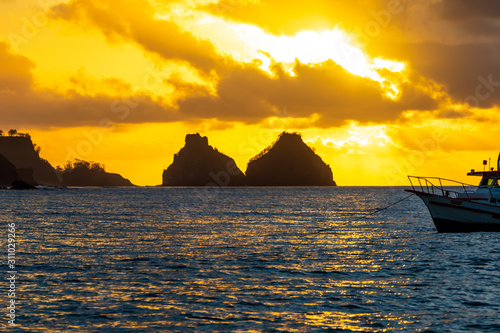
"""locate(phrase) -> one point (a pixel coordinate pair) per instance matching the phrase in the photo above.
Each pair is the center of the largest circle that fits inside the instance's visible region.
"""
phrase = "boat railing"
(442, 186)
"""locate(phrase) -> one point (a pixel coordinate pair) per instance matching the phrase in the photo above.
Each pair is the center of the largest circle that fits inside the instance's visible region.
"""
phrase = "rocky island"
(288, 162)
(83, 173)
(199, 164)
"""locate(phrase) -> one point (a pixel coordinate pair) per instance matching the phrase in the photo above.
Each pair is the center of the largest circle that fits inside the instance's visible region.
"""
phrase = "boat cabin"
(490, 183)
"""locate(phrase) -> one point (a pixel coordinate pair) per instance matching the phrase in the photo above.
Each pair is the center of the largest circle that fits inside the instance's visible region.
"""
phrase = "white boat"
(459, 207)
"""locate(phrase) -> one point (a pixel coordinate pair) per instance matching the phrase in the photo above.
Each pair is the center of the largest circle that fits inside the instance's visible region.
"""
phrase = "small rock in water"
(20, 185)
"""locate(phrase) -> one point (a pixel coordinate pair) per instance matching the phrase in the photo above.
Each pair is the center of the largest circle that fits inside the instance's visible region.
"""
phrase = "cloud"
(453, 43)
(135, 20)
(245, 93)
(238, 91)
(22, 105)
(45, 110)
(470, 72)
(449, 22)
(15, 71)
(466, 22)
(281, 17)
(466, 10)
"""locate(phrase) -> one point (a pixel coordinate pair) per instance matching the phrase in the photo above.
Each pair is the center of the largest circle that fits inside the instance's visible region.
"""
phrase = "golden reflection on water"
(354, 322)
(229, 267)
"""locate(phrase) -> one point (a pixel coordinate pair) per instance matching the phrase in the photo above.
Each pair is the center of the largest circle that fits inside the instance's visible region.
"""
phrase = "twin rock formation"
(288, 162)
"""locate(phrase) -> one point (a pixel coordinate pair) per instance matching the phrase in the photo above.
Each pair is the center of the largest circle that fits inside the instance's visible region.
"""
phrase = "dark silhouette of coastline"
(288, 162)
(199, 164)
(83, 173)
(21, 167)
(19, 150)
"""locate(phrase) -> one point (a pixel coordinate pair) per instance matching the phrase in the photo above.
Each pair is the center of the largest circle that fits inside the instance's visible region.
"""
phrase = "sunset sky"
(380, 89)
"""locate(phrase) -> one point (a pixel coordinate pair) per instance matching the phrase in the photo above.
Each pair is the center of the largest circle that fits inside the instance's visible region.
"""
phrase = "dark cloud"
(463, 69)
(466, 9)
(455, 43)
(44, 110)
(439, 22)
(485, 28)
(470, 19)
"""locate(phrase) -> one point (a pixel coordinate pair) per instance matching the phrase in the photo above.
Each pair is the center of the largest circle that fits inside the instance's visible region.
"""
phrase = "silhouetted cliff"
(83, 173)
(198, 164)
(288, 162)
(8, 172)
(20, 151)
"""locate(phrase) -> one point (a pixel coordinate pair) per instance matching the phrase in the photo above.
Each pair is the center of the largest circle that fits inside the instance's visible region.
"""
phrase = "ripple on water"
(95, 260)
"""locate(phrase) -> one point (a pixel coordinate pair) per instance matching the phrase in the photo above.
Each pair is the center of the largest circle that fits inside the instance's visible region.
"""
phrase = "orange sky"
(381, 89)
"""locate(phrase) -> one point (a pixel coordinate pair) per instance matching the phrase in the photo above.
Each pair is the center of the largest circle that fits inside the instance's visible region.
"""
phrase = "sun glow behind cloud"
(248, 43)
(357, 136)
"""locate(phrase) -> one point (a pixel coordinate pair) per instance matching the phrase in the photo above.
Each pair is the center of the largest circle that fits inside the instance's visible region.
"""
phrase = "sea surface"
(242, 260)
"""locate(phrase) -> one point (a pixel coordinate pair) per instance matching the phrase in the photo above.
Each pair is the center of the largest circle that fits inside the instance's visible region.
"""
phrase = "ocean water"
(243, 260)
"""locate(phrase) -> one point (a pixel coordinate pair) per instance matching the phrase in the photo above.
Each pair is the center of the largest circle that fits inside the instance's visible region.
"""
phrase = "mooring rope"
(377, 210)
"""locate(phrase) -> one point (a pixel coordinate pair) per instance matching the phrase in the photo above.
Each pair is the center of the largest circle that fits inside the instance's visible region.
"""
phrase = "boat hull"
(456, 215)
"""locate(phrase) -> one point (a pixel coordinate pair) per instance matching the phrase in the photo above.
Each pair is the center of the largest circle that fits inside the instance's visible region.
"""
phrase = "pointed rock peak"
(198, 164)
(288, 162)
(285, 136)
(196, 140)
(289, 138)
